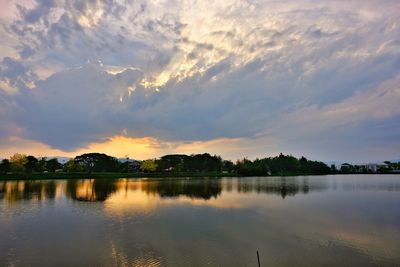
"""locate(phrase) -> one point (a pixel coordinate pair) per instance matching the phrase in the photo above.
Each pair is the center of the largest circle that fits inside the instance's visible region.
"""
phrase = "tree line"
(20, 163)
(281, 165)
(181, 163)
(176, 163)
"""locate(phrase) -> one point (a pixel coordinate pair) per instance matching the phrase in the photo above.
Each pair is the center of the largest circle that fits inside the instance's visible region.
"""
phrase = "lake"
(338, 220)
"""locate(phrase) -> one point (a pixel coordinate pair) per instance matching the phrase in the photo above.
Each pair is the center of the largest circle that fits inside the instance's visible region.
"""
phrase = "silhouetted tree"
(41, 164)
(347, 168)
(5, 166)
(192, 163)
(73, 166)
(31, 163)
(280, 165)
(333, 168)
(228, 165)
(97, 162)
(52, 165)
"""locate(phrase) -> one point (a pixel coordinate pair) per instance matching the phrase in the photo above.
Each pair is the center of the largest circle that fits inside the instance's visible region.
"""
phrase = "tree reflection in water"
(284, 186)
(91, 189)
(202, 189)
(100, 189)
(14, 191)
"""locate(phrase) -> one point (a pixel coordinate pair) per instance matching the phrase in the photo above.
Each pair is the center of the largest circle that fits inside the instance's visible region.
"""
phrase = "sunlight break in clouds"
(245, 77)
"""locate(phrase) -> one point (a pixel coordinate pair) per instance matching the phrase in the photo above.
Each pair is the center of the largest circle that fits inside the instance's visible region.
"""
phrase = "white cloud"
(289, 71)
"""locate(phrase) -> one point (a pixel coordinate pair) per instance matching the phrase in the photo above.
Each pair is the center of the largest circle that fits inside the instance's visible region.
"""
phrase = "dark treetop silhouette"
(102, 165)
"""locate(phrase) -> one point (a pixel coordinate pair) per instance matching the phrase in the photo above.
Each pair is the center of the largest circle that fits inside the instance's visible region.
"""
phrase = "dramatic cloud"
(318, 78)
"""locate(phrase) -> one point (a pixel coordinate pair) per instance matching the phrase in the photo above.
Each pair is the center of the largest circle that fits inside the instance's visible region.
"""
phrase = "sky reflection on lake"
(303, 221)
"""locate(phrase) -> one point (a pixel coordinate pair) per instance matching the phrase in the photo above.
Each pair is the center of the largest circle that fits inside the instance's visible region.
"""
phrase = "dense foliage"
(180, 164)
(280, 165)
(193, 163)
(97, 162)
(20, 163)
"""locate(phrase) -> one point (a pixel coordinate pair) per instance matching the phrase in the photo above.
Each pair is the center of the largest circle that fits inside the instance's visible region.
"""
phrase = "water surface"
(351, 220)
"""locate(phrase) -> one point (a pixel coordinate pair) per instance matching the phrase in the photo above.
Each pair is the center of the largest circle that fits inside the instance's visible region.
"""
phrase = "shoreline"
(105, 175)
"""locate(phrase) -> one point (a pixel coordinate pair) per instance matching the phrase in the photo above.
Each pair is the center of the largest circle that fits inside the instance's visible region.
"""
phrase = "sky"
(230, 77)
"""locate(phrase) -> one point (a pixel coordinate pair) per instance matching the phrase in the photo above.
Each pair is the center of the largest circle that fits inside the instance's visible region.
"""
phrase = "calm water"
(296, 221)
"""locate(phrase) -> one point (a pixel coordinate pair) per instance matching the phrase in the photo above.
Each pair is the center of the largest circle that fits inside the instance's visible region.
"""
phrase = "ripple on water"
(332, 220)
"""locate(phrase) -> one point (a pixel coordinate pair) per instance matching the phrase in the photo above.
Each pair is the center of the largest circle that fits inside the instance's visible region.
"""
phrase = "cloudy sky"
(232, 77)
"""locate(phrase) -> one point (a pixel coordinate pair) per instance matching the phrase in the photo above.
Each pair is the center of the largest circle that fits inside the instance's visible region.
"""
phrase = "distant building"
(371, 167)
(374, 167)
(362, 168)
(169, 169)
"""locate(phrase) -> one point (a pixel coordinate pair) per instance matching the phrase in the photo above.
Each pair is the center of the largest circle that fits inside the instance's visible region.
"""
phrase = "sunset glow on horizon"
(236, 78)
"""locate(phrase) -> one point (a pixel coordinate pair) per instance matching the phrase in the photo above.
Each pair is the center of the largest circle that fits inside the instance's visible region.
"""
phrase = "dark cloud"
(16, 74)
(73, 108)
(219, 70)
(40, 11)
